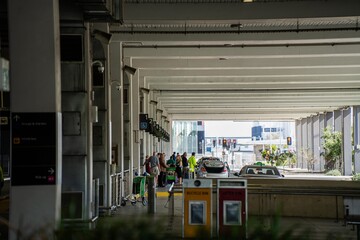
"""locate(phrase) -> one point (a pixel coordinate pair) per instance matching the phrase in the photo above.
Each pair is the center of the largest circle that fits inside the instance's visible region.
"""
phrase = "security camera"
(118, 87)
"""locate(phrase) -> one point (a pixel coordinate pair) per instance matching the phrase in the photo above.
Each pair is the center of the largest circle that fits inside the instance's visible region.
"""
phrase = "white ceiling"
(222, 65)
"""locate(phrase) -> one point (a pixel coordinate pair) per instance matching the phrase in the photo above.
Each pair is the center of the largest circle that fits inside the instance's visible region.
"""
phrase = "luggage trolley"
(170, 175)
(138, 194)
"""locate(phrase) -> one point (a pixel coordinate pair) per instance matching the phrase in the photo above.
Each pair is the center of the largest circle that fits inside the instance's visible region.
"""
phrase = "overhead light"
(100, 65)
(247, 1)
(102, 36)
(129, 69)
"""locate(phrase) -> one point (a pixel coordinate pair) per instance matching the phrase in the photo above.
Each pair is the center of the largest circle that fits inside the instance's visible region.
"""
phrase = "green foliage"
(356, 177)
(332, 148)
(334, 172)
(282, 159)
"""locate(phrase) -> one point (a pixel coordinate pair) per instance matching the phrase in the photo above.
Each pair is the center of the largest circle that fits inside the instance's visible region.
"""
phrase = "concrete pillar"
(347, 145)
(117, 109)
(36, 117)
(147, 135)
(338, 121)
(135, 108)
(310, 145)
(304, 142)
(321, 140)
(298, 135)
(144, 135)
(102, 146)
(356, 113)
(329, 120)
(128, 122)
(316, 142)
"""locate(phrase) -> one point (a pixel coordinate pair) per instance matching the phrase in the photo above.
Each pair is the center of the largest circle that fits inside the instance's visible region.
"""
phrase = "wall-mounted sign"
(33, 149)
(143, 124)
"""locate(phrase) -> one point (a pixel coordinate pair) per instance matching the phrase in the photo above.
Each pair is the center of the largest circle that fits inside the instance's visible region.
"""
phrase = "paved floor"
(259, 227)
(134, 222)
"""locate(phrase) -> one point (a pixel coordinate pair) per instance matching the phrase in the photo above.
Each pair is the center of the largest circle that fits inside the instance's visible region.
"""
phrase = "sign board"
(143, 121)
(197, 218)
(33, 149)
(232, 208)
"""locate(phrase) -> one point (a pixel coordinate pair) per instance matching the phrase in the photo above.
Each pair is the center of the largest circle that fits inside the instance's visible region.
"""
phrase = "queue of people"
(156, 166)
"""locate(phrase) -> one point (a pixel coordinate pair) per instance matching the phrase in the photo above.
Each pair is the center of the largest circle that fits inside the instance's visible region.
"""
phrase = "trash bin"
(197, 205)
(232, 208)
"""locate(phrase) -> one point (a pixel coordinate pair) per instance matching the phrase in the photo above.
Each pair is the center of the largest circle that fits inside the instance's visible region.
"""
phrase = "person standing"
(178, 170)
(192, 165)
(155, 167)
(163, 166)
(185, 166)
(147, 164)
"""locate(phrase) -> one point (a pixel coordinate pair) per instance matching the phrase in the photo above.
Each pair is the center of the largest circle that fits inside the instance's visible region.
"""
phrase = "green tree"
(332, 149)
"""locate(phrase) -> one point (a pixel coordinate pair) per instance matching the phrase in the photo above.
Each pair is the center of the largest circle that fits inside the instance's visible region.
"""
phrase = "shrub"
(356, 177)
(334, 172)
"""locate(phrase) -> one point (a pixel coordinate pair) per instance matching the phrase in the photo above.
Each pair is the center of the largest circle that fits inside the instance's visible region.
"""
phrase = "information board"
(33, 149)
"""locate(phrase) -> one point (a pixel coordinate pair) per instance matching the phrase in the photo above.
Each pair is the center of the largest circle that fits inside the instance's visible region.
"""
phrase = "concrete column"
(117, 108)
(304, 142)
(298, 143)
(337, 121)
(356, 113)
(148, 148)
(338, 128)
(310, 145)
(329, 120)
(135, 107)
(316, 142)
(36, 114)
(153, 105)
(321, 140)
(102, 146)
(128, 122)
(143, 134)
(347, 145)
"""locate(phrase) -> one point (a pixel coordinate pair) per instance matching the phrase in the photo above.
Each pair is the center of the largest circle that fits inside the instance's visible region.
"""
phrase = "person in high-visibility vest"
(192, 164)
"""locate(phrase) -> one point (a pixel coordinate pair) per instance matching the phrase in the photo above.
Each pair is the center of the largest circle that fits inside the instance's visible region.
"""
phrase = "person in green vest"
(192, 165)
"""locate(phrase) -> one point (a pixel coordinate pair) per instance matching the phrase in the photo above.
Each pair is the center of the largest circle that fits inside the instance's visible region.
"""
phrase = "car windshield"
(261, 171)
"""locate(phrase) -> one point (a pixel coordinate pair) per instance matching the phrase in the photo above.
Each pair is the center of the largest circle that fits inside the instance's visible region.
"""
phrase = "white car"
(212, 167)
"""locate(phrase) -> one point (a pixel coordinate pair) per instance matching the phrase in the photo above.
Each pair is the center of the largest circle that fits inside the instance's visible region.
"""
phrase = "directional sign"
(33, 149)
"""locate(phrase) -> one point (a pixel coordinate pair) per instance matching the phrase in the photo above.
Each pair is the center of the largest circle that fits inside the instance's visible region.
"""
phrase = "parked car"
(259, 171)
(212, 167)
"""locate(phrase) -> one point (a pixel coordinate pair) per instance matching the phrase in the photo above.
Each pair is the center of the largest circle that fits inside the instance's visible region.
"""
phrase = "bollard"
(151, 195)
(171, 200)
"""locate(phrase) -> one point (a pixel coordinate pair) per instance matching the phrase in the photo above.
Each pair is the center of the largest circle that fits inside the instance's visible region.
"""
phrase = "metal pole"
(151, 195)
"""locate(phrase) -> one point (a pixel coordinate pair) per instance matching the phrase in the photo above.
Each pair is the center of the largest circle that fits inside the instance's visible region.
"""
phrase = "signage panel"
(33, 149)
